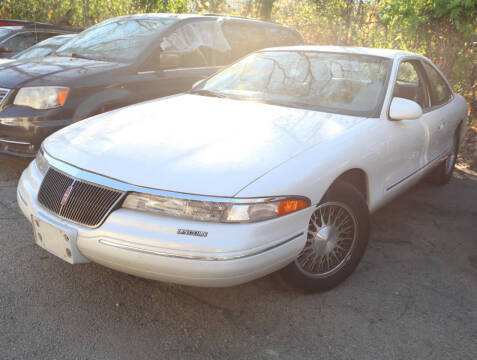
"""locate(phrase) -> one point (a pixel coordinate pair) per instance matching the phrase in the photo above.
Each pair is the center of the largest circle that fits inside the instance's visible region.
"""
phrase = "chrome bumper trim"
(192, 257)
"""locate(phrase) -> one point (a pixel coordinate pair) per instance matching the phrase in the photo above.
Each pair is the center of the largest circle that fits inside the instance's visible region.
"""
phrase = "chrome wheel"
(332, 236)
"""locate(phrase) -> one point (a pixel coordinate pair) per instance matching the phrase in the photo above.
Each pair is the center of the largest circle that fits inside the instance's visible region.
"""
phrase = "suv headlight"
(41, 97)
(223, 211)
(41, 162)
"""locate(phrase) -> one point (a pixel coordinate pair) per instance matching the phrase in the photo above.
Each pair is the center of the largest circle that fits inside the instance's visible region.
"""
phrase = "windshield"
(118, 40)
(44, 48)
(337, 83)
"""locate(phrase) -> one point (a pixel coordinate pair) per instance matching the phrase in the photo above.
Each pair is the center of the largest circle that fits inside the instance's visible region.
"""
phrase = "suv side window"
(197, 44)
(45, 35)
(410, 84)
(439, 89)
(244, 37)
(281, 36)
(21, 41)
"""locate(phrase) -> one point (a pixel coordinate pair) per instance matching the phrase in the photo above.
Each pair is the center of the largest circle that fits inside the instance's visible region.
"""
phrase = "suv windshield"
(337, 83)
(118, 40)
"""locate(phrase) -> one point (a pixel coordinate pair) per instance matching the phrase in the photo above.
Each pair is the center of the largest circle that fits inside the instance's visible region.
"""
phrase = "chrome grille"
(75, 200)
(3, 95)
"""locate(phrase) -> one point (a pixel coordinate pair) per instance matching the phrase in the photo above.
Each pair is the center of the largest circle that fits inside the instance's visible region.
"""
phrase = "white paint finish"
(221, 147)
(194, 144)
(404, 109)
(155, 233)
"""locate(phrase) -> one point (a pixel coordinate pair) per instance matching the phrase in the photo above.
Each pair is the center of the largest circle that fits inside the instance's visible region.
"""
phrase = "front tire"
(338, 234)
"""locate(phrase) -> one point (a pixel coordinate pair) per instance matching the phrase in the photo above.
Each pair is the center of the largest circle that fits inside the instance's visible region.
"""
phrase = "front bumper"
(23, 129)
(149, 246)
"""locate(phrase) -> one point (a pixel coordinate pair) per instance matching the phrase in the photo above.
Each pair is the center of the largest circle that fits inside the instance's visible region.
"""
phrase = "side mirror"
(404, 109)
(169, 60)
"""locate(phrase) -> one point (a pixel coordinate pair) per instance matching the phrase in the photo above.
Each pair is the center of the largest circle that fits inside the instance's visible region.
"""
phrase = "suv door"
(440, 114)
(184, 56)
(244, 38)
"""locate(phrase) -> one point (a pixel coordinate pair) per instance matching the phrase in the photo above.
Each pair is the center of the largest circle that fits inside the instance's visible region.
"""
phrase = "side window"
(45, 35)
(244, 38)
(439, 90)
(197, 44)
(21, 41)
(281, 36)
(410, 84)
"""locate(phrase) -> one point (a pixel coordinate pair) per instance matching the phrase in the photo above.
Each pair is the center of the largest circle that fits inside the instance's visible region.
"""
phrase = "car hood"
(52, 70)
(193, 144)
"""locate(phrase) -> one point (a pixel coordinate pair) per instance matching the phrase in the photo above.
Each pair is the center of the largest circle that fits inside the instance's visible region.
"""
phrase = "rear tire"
(442, 174)
(337, 237)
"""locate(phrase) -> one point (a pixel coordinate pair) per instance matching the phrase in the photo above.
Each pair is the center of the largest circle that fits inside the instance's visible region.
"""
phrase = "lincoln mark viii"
(274, 163)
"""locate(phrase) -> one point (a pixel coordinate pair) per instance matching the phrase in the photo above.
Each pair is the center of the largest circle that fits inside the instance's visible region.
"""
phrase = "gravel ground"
(412, 297)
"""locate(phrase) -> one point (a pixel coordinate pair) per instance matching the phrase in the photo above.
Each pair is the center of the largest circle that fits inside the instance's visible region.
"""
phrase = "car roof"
(387, 53)
(195, 16)
(12, 28)
(19, 25)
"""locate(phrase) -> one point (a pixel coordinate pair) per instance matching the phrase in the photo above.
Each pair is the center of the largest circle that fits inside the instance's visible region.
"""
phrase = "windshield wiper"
(80, 56)
(204, 92)
(75, 55)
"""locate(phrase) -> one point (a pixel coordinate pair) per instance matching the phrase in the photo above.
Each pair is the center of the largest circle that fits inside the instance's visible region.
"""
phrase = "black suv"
(18, 36)
(119, 62)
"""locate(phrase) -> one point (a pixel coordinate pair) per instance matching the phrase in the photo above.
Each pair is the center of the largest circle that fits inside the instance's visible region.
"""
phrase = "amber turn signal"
(289, 206)
(61, 94)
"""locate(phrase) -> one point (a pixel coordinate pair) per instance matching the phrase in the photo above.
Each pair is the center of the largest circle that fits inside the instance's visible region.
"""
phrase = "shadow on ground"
(413, 296)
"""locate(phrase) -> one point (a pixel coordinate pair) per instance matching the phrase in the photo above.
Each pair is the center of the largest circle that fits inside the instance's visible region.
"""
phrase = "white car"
(274, 163)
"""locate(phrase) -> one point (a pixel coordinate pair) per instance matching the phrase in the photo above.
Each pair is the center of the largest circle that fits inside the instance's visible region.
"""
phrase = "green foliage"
(84, 13)
(209, 6)
(443, 30)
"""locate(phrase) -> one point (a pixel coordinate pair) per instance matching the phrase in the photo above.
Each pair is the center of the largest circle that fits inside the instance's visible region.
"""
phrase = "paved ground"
(414, 296)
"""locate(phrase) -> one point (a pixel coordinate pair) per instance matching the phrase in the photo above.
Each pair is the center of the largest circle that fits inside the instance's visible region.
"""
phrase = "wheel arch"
(100, 102)
(356, 177)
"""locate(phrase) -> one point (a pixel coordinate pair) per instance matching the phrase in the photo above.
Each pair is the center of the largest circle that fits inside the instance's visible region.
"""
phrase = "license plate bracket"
(57, 239)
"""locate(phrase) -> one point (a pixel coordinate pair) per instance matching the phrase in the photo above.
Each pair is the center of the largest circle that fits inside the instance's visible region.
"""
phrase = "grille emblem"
(66, 195)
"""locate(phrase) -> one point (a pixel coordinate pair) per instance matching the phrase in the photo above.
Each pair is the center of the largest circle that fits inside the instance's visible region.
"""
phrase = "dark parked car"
(14, 39)
(119, 62)
(10, 22)
(43, 48)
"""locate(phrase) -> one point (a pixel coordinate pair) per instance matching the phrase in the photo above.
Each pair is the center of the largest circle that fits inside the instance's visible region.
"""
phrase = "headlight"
(233, 211)
(41, 162)
(42, 97)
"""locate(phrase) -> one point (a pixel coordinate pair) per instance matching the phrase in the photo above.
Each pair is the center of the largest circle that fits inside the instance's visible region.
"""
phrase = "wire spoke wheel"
(332, 236)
